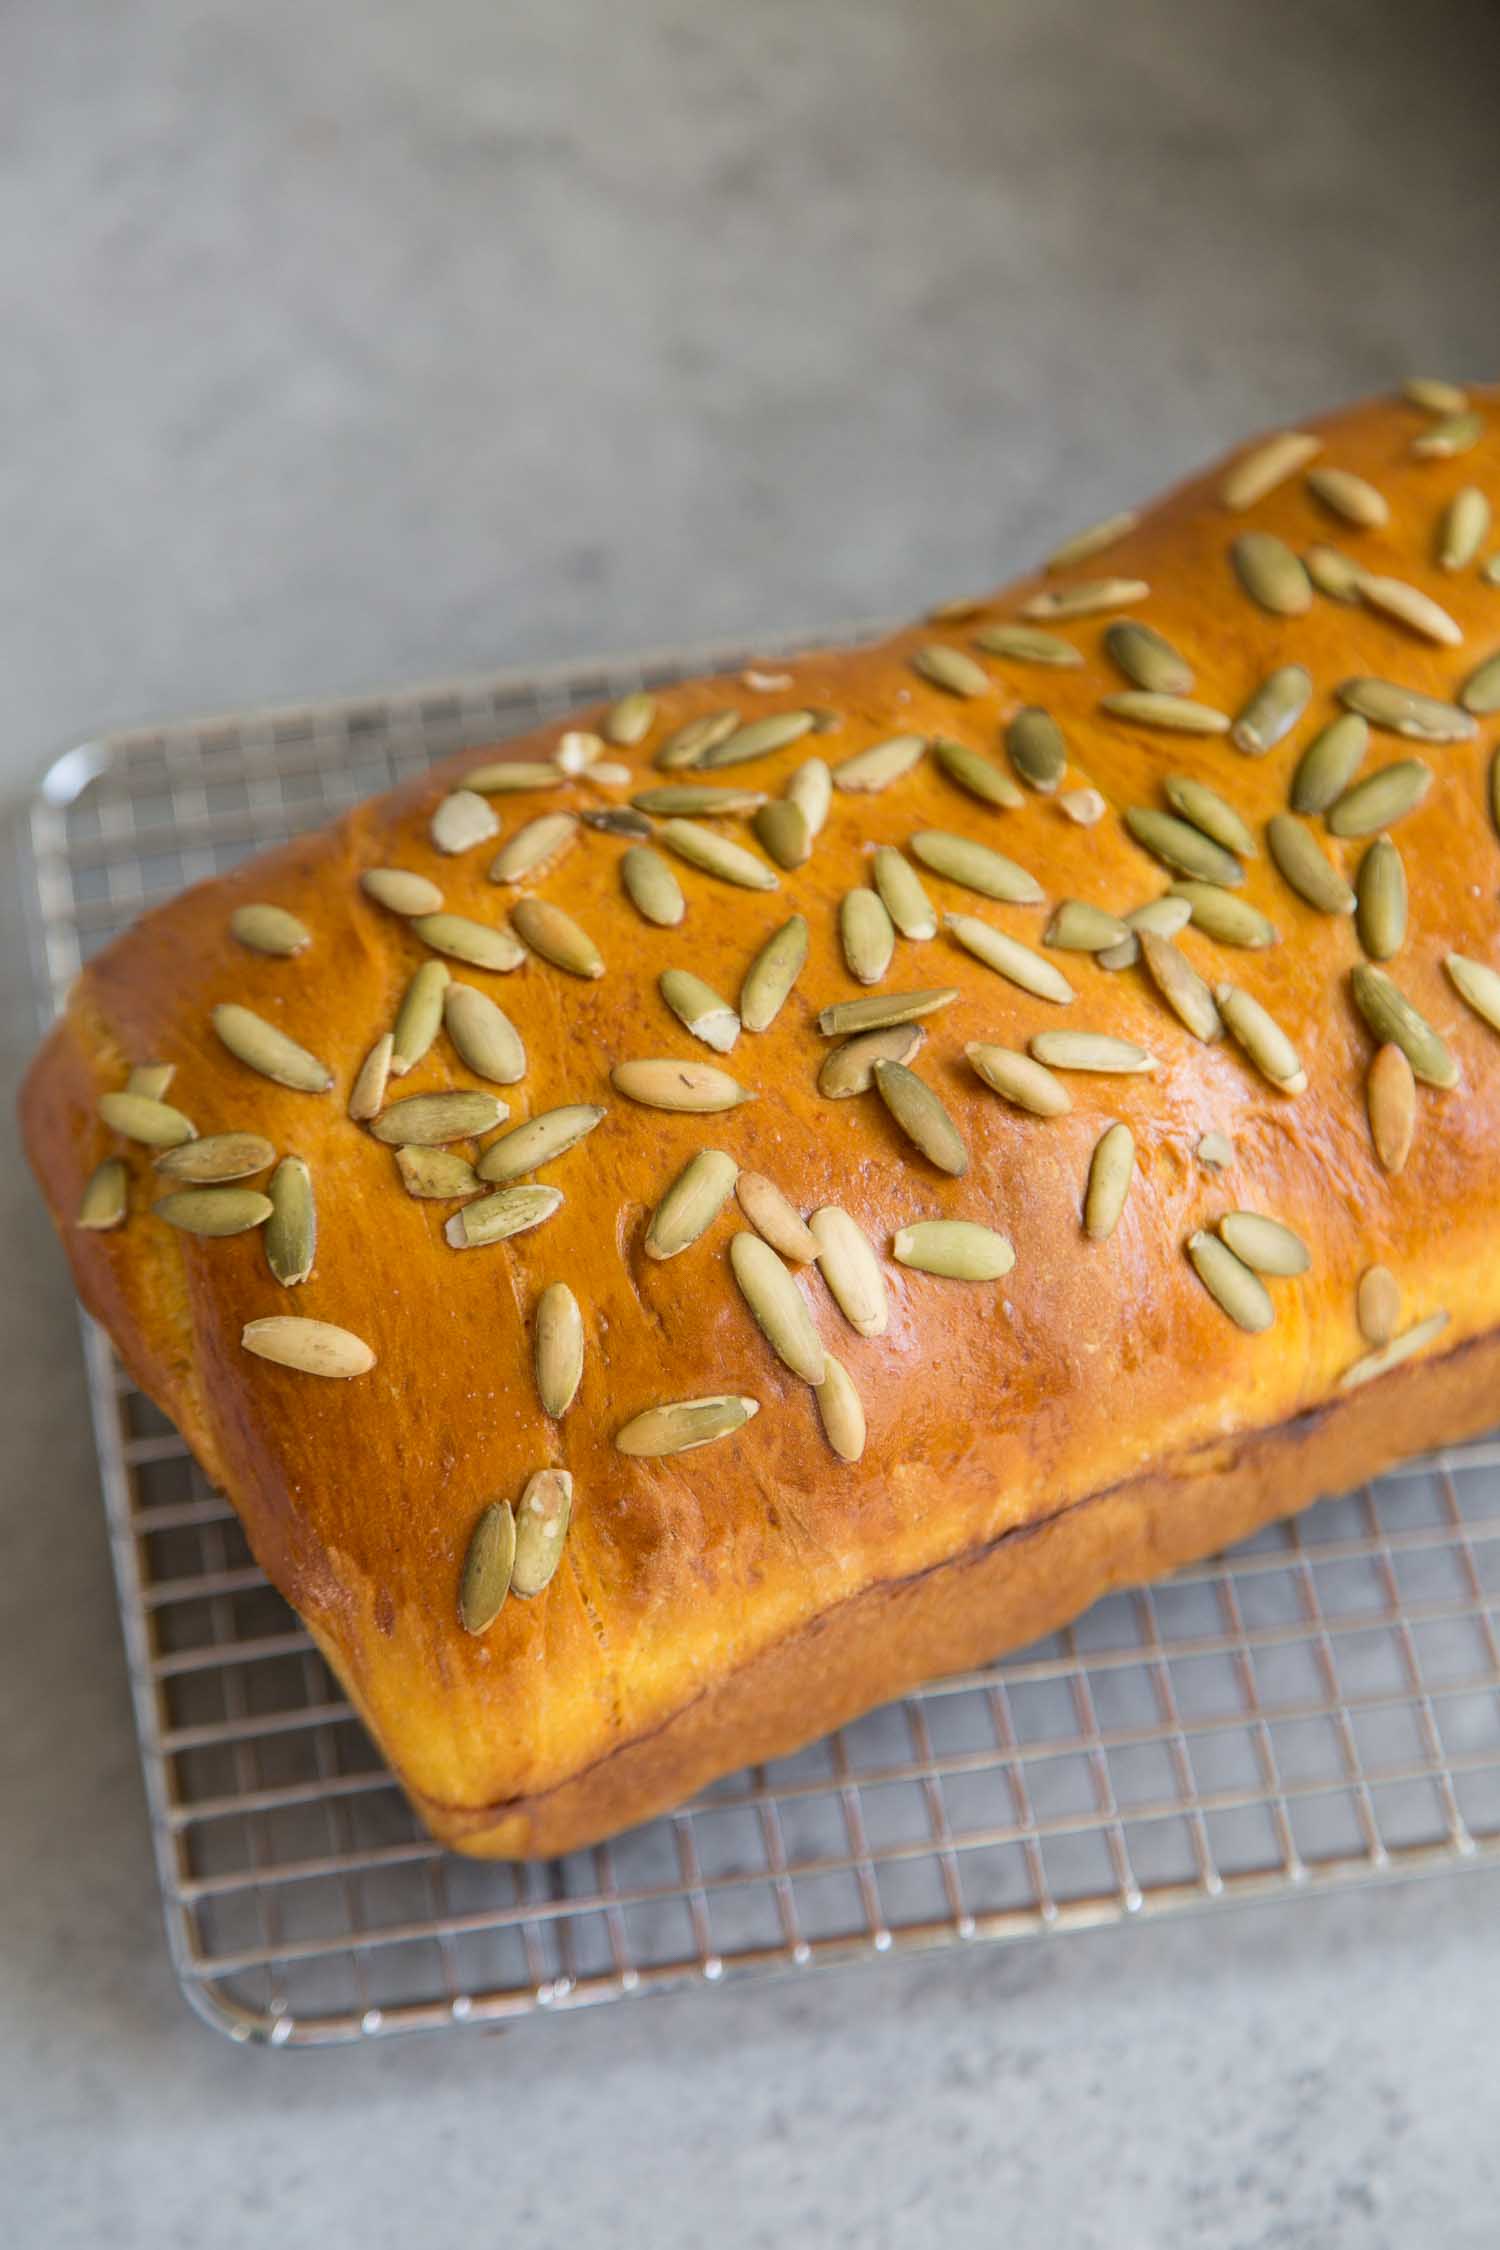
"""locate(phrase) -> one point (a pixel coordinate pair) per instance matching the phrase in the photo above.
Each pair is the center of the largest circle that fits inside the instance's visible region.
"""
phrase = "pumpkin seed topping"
(462, 939)
(460, 820)
(1392, 1354)
(782, 833)
(539, 1140)
(557, 1349)
(261, 1047)
(540, 844)
(758, 739)
(867, 935)
(1009, 958)
(1020, 1079)
(1381, 799)
(951, 669)
(541, 1526)
(811, 788)
(1090, 1050)
(630, 719)
(1262, 1039)
(269, 929)
(1410, 607)
(1381, 891)
(214, 1212)
(1080, 927)
(437, 1175)
(1304, 866)
(1111, 1170)
(312, 1347)
(487, 1568)
(902, 895)
(216, 1158)
(683, 1425)
(1267, 465)
(1273, 710)
(777, 1305)
(292, 1228)
(577, 750)
(1026, 644)
(151, 1079)
(1405, 711)
(1271, 574)
(556, 937)
(1215, 1152)
(1433, 395)
(840, 1410)
(1083, 806)
(1086, 544)
(717, 855)
(1351, 497)
(1222, 916)
(1265, 1245)
(699, 1009)
(1377, 1305)
(701, 800)
(663, 1082)
(1180, 986)
(367, 1094)
(427, 1120)
(1445, 440)
(652, 888)
(958, 1249)
(850, 1069)
(691, 1204)
(1334, 573)
(1175, 714)
(106, 1197)
(880, 1009)
(1329, 763)
(978, 775)
(1463, 528)
(418, 1018)
(1391, 1104)
(922, 1117)
(774, 1219)
(1147, 658)
(961, 860)
(686, 744)
(1229, 1281)
(399, 891)
(1208, 812)
(1035, 746)
(772, 974)
(1393, 1019)
(1084, 599)
(872, 770)
(851, 1269)
(495, 1218)
(511, 777)
(483, 1035)
(1481, 690)
(1478, 983)
(1180, 846)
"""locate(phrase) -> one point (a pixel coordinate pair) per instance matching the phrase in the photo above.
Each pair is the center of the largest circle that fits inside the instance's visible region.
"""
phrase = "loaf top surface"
(989, 1404)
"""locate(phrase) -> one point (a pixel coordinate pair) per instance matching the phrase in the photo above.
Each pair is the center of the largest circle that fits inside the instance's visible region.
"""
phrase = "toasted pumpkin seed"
(1273, 710)
(1391, 1103)
(1392, 1018)
(1085, 599)
(1267, 465)
(1392, 1354)
(1334, 573)
(1265, 1245)
(1077, 926)
(1020, 1079)
(1271, 574)
(495, 1218)
(902, 895)
(1405, 711)
(1229, 1281)
(777, 1305)
(151, 1080)
(1410, 607)
(261, 1047)
(539, 1140)
(699, 1009)
(1433, 395)
(652, 888)
(1111, 1170)
(840, 1410)
(683, 1425)
(979, 776)
(629, 720)
(774, 1218)
(686, 744)
(1094, 541)
(487, 1568)
(557, 1349)
(961, 860)
(1380, 915)
(1304, 865)
(850, 1069)
(922, 1117)
(269, 929)
(541, 843)
(478, 943)
(1215, 1152)
(867, 935)
(312, 1347)
(1009, 958)
(1256, 1031)
(1478, 983)
(1377, 1305)
(484, 1036)
(292, 1227)
(1147, 658)
(1166, 916)
(1180, 846)
(427, 1120)
(401, 892)
(542, 1515)
(1222, 916)
(1025, 644)
(1083, 806)
(556, 937)
(1481, 690)
(958, 1249)
(717, 855)
(1349, 496)
(1204, 809)
(772, 974)
(1180, 985)
(1381, 799)
(758, 739)
(663, 1082)
(952, 669)
(1176, 714)
(367, 1094)
(418, 1017)
(880, 1009)
(1035, 746)
(214, 1211)
(782, 833)
(697, 799)
(438, 1175)
(1445, 440)
(1329, 763)
(1463, 528)
(811, 789)
(872, 770)
(216, 1158)
(105, 1198)
(577, 750)
(461, 820)
(851, 1269)
(1090, 1050)
(511, 777)
(691, 1204)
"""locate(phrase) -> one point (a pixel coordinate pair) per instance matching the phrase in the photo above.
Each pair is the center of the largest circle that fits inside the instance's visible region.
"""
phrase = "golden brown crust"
(1087, 1421)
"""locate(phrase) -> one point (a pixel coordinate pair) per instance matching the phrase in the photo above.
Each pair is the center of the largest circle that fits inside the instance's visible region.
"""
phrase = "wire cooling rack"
(1321, 1706)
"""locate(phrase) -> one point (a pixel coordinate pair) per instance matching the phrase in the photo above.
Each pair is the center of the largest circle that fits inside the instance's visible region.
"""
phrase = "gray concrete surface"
(348, 343)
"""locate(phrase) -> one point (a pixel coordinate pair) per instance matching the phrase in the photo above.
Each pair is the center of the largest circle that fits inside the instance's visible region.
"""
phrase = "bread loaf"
(1054, 1283)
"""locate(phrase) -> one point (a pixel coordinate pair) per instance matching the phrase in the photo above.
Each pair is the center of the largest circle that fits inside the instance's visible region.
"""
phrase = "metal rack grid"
(1321, 1706)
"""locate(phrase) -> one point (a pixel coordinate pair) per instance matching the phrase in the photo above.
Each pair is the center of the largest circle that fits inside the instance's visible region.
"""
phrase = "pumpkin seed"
(850, 1069)
(1381, 891)
(1111, 1170)
(684, 1425)
(757, 739)
(662, 1082)
(765, 683)
(151, 1080)
(782, 833)
(1392, 1354)
(1085, 599)
(482, 946)
(292, 1227)
(1231, 1284)
(772, 974)
(1409, 606)
(1215, 1152)
(1272, 711)
(869, 771)
(1391, 1103)
(1391, 1016)
(1009, 958)
(777, 1306)
(1267, 465)
(1089, 1050)
(1380, 799)
(1180, 846)
(881, 1009)
(686, 744)
(487, 1568)
(312, 1347)
(1222, 916)
(976, 867)
(811, 790)
(1079, 927)
(557, 1349)
(922, 1117)
(1477, 983)
(401, 892)
(484, 1036)
(717, 855)
(617, 820)
(269, 929)
(774, 1219)
(105, 1198)
(216, 1158)
(1333, 573)
(902, 895)
(867, 935)
(541, 843)
(1173, 713)
(629, 720)
(541, 1526)
(699, 1009)
(1021, 1079)
(1329, 763)
(1445, 440)
(367, 1094)
(495, 1218)
(958, 1249)
(652, 888)
(1265, 1245)
(460, 820)
(427, 1120)
(576, 751)
(1377, 1305)
(1147, 658)
(1083, 806)
(214, 1211)
(1433, 396)
(1463, 528)
(1180, 986)
(418, 1017)
(1166, 915)
(977, 775)
(1271, 574)
(548, 931)
(1035, 746)
(540, 1140)
(1351, 497)
(261, 1047)
(1481, 690)
(1261, 1037)
(1025, 644)
(1098, 536)
(510, 777)
(1404, 711)
(698, 799)
(1304, 866)
(851, 1269)
(952, 669)
(840, 1411)
(437, 1175)
(691, 1204)
(1208, 812)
